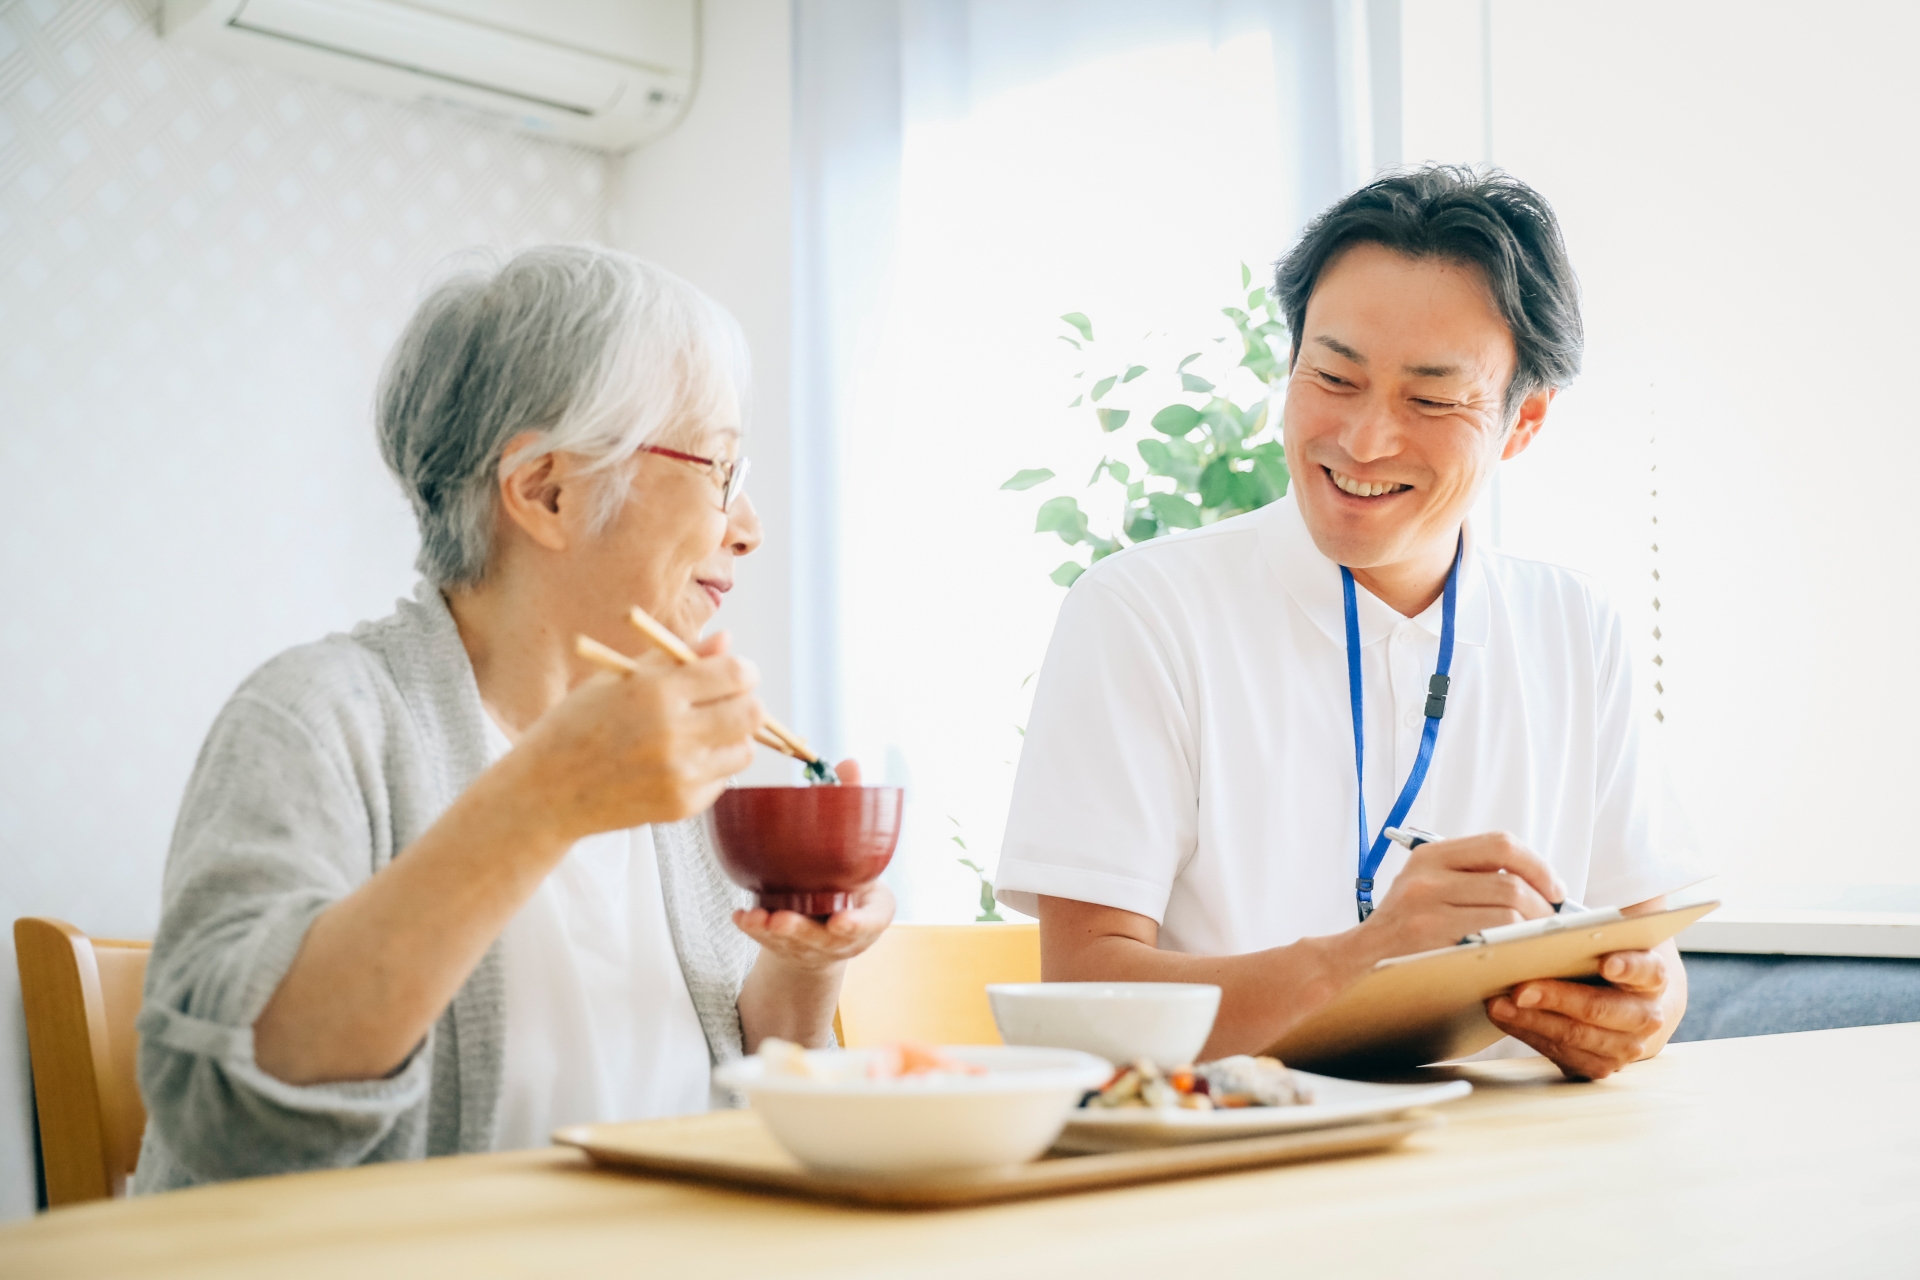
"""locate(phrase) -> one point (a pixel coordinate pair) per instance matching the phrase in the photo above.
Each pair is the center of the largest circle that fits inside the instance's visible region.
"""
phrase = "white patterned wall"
(201, 265)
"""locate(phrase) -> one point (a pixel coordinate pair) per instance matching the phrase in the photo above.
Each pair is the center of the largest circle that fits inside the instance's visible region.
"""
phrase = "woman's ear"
(533, 495)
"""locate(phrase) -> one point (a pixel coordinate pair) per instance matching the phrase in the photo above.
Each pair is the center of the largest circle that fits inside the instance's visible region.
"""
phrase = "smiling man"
(1226, 719)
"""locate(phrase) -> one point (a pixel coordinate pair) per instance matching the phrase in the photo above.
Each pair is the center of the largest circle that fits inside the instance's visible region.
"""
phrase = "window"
(1729, 181)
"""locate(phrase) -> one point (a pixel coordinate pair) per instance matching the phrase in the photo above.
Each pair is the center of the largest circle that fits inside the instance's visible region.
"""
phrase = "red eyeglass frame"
(729, 474)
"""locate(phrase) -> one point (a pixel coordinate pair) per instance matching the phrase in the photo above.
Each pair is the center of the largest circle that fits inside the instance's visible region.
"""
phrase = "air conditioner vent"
(531, 64)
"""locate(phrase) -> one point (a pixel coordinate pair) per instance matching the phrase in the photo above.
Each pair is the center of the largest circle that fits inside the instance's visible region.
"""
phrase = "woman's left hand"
(803, 943)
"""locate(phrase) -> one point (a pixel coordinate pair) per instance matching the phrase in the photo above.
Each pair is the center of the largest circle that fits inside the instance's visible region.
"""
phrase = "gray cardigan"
(325, 764)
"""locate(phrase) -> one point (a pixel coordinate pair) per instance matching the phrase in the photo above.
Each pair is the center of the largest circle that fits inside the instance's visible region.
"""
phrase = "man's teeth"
(1363, 488)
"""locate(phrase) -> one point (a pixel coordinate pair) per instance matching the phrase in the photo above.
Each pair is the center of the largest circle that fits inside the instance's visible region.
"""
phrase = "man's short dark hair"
(1488, 220)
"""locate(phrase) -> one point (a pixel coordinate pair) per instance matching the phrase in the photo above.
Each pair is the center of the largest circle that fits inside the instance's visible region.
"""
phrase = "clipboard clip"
(1544, 925)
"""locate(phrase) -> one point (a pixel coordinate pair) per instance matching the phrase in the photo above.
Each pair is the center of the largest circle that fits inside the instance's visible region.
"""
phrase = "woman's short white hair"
(596, 352)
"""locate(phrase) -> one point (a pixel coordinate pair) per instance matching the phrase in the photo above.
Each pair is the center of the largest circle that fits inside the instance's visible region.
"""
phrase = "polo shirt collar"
(1313, 581)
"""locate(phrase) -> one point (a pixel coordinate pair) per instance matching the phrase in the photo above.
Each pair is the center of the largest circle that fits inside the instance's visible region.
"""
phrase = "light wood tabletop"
(1794, 1155)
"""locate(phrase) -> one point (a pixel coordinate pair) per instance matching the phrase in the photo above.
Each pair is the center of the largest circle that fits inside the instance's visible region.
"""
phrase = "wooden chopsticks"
(772, 733)
(620, 664)
(676, 649)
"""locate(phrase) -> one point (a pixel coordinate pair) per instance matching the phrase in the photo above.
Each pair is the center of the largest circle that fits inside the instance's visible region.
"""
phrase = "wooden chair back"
(82, 995)
(927, 982)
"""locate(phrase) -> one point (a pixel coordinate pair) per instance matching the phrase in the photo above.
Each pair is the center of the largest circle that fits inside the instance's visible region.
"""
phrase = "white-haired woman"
(435, 886)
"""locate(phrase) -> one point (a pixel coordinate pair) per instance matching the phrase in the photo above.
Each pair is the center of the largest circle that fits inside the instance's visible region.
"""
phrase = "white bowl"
(846, 1123)
(1163, 1022)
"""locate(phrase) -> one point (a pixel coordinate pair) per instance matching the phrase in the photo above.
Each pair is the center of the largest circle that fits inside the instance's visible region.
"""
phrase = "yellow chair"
(82, 995)
(927, 982)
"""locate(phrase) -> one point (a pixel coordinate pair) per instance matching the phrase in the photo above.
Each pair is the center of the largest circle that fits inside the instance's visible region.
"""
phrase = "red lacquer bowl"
(806, 849)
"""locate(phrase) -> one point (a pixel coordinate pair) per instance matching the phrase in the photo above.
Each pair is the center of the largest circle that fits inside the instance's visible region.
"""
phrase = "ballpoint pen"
(1411, 838)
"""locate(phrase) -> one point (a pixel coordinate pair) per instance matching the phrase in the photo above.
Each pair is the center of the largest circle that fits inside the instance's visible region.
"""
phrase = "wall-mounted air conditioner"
(609, 74)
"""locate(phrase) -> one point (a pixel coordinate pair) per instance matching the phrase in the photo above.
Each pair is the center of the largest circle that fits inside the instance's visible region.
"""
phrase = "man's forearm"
(1262, 994)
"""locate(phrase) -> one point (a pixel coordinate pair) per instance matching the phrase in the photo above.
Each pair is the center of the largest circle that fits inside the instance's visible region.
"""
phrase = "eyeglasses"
(729, 474)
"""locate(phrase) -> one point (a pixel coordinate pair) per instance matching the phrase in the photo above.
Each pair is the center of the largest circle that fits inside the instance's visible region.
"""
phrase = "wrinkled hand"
(803, 943)
(1452, 888)
(655, 746)
(1591, 1032)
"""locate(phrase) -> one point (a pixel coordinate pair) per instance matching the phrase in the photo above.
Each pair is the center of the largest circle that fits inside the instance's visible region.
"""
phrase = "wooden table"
(1792, 1155)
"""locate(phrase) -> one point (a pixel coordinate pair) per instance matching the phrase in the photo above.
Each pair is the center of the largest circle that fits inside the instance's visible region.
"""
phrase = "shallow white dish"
(1164, 1022)
(922, 1124)
(1336, 1102)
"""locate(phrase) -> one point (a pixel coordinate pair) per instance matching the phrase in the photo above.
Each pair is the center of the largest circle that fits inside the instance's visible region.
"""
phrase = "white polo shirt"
(1190, 752)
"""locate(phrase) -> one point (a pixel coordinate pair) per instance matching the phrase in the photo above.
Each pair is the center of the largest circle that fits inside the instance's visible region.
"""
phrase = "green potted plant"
(1213, 451)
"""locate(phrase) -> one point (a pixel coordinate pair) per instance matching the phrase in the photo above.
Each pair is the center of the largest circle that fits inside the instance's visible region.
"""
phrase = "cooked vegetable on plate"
(1226, 1083)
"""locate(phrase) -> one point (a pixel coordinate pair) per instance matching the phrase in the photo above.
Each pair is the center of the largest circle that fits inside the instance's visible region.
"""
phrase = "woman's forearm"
(779, 999)
(378, 967)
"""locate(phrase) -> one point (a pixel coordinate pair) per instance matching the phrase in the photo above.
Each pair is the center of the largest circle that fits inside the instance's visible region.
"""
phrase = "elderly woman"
(437, 887)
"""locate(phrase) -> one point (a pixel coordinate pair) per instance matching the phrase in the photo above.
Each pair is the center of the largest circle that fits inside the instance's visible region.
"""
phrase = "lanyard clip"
(1437, 696)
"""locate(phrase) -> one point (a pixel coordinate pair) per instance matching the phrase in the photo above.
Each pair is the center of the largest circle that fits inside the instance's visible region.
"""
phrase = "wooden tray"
(734, 1149)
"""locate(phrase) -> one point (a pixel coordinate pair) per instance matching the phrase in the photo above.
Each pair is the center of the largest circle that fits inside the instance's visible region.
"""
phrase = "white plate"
(1336, 1102)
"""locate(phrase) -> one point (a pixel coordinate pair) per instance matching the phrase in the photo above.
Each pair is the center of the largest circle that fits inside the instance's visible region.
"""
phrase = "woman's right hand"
(655, 746)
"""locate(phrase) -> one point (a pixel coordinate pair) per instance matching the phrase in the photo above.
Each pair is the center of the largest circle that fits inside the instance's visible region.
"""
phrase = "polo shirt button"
(1413, 719)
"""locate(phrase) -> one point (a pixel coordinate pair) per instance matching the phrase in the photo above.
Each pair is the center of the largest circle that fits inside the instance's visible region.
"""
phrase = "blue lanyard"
(1436, 707)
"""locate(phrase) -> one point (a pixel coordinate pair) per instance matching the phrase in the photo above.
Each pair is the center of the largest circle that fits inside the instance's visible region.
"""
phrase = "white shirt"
(599, 1025)
(1190, 753)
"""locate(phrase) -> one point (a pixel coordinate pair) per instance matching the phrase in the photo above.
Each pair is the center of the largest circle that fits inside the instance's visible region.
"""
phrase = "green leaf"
(1270, 464)
(1158, 458)
(1138, 489)
(1079, 321)
(1251, 490)
(1194, 382)
(1178, 460)
(1103, 386)
(1028, 479)
(988, 914)
(1182, 366)
(1143, 526)
(1113, 419)
(1256, 299)
(1216, 483)
(971, 865)
(1070, 342)
(1063, 516)
(1174, 511)
(1240, 318)
(1246, 276)
(1176, 420)
(1223, 421)
(1099, 469)
(1133, 371)
(1118, 470)
(1259, 359)
(957, 840)
(1065, 576)
(1076, 402)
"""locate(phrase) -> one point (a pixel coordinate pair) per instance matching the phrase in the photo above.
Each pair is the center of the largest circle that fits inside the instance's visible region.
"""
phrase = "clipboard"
(1412, 1010)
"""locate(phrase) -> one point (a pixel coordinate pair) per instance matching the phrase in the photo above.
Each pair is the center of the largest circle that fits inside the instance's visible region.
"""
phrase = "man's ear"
(530, 496)
(1532, 416)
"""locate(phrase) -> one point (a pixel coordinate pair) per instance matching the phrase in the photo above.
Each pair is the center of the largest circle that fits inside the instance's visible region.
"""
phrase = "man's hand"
(1591, 1032)
(1452, 888)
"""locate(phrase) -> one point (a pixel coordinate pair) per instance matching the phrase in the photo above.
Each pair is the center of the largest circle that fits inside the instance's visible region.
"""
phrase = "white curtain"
(967, 172)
